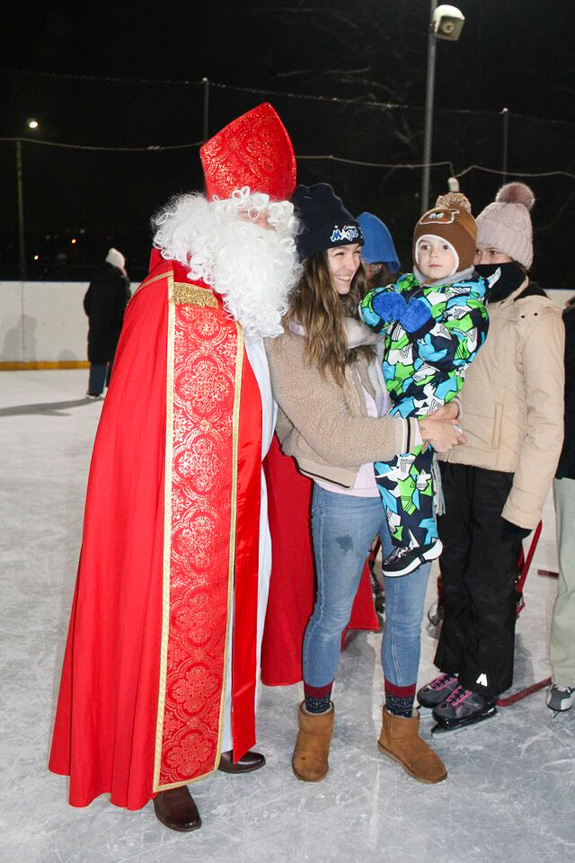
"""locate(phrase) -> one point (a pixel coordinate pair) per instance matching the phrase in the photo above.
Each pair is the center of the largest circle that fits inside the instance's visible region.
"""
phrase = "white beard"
(252, 268)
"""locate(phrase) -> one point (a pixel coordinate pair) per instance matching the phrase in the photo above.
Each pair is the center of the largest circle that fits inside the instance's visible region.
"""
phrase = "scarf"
(503, 279)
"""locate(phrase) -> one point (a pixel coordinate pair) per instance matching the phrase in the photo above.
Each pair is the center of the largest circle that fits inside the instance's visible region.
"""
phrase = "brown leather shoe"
(248, 762)
(176, 809)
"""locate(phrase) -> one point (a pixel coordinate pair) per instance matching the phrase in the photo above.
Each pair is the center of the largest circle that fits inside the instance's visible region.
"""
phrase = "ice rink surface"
(510, 791)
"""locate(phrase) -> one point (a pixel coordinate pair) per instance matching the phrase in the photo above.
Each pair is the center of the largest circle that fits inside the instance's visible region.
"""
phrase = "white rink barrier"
(43, 323)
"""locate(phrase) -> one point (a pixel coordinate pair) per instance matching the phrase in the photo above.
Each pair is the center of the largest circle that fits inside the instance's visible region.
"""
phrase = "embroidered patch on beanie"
(325, 221)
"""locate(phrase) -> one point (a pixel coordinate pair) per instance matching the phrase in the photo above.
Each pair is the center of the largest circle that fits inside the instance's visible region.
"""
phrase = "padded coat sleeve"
(327, 417)
(543, 368)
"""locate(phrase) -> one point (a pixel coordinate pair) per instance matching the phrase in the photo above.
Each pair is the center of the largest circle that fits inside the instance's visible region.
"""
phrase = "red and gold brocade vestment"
(169, 554)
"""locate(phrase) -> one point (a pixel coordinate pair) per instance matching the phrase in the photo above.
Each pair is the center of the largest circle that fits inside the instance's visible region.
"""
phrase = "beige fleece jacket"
(324, 425)
(513, 402)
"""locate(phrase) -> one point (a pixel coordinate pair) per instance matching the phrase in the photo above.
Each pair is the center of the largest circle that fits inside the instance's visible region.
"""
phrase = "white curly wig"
(252, 268)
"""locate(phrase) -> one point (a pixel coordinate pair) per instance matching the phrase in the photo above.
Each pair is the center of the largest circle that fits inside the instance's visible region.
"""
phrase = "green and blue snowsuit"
(432, 333)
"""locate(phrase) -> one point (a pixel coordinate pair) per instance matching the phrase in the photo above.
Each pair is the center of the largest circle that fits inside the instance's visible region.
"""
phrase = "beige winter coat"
(324, 425)
(513, 402)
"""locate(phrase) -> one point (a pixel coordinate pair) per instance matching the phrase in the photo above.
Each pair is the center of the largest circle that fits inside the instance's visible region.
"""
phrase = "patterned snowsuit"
(432, 336)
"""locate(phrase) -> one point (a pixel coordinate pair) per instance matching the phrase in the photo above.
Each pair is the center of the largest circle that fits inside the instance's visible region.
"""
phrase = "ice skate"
(560, 698)
(462, 708)
(437, 691)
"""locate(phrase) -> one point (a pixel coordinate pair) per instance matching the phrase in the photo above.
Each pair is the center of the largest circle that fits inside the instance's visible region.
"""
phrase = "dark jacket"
(105, 302)
(566, 467)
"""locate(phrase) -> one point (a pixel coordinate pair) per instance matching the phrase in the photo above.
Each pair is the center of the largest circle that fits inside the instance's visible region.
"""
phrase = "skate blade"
(443, 727)
(556, 713)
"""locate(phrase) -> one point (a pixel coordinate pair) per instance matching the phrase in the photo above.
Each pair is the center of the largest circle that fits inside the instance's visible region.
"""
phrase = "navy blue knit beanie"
(325, 221)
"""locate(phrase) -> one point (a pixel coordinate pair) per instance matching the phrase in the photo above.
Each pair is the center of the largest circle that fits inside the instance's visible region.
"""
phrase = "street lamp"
(446, 22)
(32, 124)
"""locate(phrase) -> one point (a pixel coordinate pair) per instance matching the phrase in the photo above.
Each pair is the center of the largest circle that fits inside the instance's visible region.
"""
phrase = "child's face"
(435, 258)
(371, 270)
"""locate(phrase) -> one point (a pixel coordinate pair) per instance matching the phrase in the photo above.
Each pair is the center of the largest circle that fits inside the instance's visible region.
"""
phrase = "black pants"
(479, 569)
(99, 375)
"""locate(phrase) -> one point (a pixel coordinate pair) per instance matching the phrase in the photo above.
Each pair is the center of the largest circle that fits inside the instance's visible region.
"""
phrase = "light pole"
(206, 113)
(21, 231)
(445, 22)
(31, 124)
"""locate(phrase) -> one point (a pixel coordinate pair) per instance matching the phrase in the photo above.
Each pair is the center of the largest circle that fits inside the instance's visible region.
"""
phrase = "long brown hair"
(321, 311)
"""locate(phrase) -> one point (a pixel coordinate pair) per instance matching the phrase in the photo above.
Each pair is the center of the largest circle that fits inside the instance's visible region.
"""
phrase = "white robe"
(258, 361)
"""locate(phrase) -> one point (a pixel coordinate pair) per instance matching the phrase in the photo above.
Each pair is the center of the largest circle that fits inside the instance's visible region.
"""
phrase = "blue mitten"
(389, 305)
(415, 316)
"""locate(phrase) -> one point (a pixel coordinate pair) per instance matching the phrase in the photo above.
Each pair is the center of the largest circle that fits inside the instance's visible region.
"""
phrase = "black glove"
(513, 531)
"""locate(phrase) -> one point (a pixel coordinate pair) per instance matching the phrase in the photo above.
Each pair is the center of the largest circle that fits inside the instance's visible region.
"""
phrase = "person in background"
(105, 303)
(496, 485)
(561, 694)
(434, 321)
(327, 380)
(378, 254)
(158, 685)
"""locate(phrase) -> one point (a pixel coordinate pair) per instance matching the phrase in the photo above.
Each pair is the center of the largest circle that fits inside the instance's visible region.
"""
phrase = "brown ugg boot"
(400, 740)
(309, 760)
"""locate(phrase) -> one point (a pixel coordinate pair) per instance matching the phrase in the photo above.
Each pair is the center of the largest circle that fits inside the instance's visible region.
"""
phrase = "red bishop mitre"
(254, 150)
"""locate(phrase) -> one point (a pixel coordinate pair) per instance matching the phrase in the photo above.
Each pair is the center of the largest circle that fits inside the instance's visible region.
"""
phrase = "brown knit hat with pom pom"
(505, 224)
(451, 220)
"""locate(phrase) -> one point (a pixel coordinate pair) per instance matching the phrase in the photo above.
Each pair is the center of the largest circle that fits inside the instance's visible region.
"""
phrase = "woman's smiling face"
(343, 263)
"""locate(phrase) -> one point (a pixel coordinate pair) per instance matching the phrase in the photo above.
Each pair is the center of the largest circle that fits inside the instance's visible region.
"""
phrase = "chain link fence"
(109, 152)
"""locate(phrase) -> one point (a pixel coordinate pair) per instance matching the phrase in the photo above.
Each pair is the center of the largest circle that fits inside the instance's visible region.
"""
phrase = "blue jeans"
(343, 528)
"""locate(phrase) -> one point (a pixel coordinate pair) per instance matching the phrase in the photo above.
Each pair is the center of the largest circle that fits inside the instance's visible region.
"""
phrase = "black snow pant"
(479, 570)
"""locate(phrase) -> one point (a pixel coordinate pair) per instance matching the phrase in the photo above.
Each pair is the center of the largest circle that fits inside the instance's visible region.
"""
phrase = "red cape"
(171, 521)
(292, 586)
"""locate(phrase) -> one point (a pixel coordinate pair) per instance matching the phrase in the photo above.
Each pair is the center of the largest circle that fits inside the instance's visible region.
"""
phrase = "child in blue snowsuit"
(435, 321)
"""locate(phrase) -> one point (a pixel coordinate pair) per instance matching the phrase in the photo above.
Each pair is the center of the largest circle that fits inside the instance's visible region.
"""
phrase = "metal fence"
(109, 152)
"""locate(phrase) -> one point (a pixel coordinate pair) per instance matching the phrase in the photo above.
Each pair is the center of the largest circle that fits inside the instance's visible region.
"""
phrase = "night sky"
(513, 53)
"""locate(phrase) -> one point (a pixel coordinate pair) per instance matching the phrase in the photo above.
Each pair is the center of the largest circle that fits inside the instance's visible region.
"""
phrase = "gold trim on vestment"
(233, 520)
(148, 282)
(166, 558)
(179, 293)
(182, 293)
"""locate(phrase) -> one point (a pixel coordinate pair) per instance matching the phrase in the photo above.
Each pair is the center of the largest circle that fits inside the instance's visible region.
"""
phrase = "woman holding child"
(327, 380)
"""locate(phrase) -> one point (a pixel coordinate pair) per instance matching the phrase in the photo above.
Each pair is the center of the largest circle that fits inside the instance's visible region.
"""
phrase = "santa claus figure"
(159, 680)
